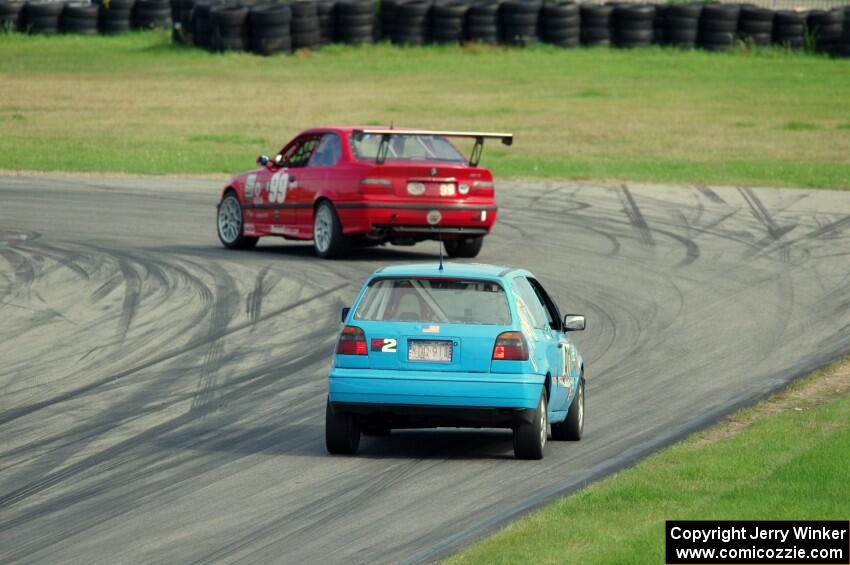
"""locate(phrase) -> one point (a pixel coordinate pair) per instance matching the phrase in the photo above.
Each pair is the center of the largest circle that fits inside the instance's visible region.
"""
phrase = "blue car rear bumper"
(433, 389)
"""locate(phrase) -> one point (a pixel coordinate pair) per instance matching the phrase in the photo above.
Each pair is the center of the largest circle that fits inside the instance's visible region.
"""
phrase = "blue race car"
(459, 345)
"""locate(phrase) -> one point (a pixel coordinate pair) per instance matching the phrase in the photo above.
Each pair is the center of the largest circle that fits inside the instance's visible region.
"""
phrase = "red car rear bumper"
(455, 219)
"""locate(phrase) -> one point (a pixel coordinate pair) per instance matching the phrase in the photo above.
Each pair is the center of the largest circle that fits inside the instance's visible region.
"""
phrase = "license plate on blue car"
(429, 350)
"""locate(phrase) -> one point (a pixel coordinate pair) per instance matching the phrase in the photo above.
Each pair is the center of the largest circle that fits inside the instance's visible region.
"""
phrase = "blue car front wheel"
(572, 428)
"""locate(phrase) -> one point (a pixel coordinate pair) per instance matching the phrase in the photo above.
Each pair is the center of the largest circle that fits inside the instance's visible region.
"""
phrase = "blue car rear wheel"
(342, 432)
(530, 437)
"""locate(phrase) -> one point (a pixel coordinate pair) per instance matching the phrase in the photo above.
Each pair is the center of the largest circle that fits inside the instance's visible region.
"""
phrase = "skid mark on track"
(224, 307)
(634, 215)
(760, 212)
(21, 411)
(711, 195)
(114, 456)
(254, 303)
(132, 290)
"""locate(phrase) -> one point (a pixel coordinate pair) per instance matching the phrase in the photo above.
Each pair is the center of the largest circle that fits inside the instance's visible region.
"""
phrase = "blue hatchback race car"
(462, 345)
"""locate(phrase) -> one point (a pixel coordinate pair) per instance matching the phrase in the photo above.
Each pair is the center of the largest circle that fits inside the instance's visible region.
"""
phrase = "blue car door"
(547, 352)
(566, 382)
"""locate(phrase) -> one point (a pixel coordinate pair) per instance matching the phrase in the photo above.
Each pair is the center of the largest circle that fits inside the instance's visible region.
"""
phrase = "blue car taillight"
(352, 341)
(510, 346)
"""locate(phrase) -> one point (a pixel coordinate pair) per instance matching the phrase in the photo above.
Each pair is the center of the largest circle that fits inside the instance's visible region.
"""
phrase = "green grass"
(785, 459)
(135, 103)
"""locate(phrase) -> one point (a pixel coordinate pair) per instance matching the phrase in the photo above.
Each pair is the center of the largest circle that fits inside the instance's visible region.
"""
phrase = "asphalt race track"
(162, 399)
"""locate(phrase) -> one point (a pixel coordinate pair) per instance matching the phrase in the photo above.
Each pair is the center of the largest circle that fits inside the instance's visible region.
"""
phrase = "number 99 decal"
(278, 186)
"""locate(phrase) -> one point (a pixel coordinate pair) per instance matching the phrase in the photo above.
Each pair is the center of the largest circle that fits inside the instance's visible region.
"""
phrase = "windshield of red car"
(437, 300)
(407, 148)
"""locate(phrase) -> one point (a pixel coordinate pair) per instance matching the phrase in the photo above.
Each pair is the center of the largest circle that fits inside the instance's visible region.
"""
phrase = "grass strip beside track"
(786, 458)
(135, 103)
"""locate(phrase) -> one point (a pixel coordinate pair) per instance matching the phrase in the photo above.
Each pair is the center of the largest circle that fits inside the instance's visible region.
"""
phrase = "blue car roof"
(449, 270)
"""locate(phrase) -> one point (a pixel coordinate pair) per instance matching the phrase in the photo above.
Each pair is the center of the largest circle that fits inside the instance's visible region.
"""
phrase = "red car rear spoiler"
(474, 158)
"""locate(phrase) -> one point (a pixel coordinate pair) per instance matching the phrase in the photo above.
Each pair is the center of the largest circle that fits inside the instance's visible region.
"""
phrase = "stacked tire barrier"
(596, 25)
(446, 21)
(825, 28)
(42, 17)
(634, 25)
(410, 25)
(79, 18)
(267, 27)
(305, 24)
(681, 25)
(560, 24)
(789, 29)
(520, 20)
(482, 22)
(10, 15)
(270, 29)
(229, 28)
(718, 26)
(151, 14)
(755, 25)
(354, 21)
(181, 18)
(325, 11)
(115, 16)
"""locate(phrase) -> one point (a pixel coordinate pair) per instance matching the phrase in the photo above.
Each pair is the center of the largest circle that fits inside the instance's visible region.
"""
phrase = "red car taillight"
(510, 346)
(352, 341)
(373, 185)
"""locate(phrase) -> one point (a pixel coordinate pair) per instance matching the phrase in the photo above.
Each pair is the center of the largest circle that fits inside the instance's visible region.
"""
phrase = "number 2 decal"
(278, 186)
(389, 345)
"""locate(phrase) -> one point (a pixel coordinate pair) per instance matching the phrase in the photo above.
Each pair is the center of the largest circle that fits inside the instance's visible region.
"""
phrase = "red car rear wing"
(474, 158)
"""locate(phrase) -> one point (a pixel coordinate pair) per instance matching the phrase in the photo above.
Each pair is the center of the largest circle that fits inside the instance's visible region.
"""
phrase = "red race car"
(338, 186)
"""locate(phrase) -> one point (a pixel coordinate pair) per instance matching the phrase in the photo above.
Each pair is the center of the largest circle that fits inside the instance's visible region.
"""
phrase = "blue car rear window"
(435, 300)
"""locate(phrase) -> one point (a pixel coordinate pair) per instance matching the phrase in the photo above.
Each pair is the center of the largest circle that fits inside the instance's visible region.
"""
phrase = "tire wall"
(266, 27)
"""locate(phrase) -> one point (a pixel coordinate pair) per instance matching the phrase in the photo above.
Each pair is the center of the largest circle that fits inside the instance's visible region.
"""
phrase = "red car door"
(277, 191)
(315, 177)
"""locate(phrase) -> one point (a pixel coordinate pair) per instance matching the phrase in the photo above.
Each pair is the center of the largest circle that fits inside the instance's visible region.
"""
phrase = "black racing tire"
(756, 14)
(271, 45)
(450, 9)
(328, 241)
(710, 38)
(788, 17)
(755, 26)
(560, 9)
(342, 432)
(628, 37)
(354, 20)
(595, 34)
(689, 11)
(673, 23)
(530, 437)
(712, 25)
(43, 9)
(464, 247)
(355, 7)
(479, 20)
(232, 237)
(727, 12)
(270, 16)
(680, 37)
(375, 430)
(565, 34)
(572, 428)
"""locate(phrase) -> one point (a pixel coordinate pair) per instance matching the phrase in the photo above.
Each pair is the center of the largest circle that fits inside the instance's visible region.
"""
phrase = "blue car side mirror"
(573, 323)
